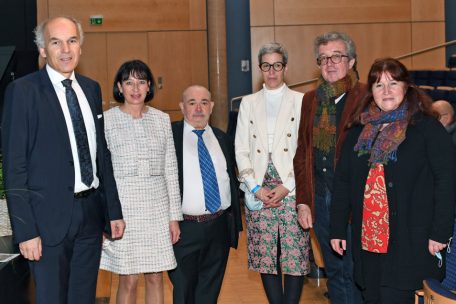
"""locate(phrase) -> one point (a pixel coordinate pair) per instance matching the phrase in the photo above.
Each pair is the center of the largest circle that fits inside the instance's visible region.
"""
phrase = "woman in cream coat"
(266, 140)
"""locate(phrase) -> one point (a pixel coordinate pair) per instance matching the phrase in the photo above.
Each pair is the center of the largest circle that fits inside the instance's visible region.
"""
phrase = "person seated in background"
(395, 183)
(446, 117)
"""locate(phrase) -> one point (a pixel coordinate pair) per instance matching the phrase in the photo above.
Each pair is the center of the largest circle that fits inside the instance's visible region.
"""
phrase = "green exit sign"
(96, 20)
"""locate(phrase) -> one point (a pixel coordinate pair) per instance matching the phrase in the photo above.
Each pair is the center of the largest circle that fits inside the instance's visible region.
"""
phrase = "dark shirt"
(324, 162)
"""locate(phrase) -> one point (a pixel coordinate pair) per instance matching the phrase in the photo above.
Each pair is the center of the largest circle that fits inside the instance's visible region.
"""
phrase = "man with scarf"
(324, 114)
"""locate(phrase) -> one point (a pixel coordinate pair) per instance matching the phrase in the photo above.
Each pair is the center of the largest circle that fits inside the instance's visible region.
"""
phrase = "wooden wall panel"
(261, 12)
(424, 35)
(426, 10)
(389, 28)
(175, 115)
(390, 39)
(180, 59)
(94, 64)
(134, 15)
(295, 12)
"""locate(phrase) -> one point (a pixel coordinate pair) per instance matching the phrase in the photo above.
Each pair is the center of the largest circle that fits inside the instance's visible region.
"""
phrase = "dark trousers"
(67, 272)
(339, 269)
(201, 254)
(375, 292)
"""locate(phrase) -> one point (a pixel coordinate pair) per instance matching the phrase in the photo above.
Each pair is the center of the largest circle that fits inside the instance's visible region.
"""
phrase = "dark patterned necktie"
(80, 133)
(210, 185)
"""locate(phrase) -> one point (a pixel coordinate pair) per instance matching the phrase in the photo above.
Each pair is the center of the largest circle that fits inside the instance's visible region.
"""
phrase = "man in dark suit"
(209, 228)
(57, 169)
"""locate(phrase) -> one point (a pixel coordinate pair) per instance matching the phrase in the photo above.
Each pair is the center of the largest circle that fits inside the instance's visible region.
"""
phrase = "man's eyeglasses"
(277, 66)
(336, 58)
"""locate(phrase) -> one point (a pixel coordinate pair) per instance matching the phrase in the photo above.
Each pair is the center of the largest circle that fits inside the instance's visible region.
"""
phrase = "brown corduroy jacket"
(303, 161)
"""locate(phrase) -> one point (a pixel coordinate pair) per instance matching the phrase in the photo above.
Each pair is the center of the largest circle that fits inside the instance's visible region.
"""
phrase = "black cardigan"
(421, 197)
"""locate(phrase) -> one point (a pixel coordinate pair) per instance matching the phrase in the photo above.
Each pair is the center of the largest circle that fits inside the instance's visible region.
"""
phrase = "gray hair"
(273, 47)
(333, 36)
(40, 28)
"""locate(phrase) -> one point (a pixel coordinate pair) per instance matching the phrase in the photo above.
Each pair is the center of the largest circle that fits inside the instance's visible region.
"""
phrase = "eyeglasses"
(277, 66)
(336, 58)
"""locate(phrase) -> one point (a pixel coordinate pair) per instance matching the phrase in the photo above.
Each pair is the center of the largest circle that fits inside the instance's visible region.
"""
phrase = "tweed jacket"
(251, 140)
(303, 161)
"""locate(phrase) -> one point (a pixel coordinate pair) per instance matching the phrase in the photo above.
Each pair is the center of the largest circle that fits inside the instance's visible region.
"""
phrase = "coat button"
(390, 184)
(251, 122)
(259, 151)
(254, 136)
(289, 134)
(292, 119)
(286, 150)
(324, 169)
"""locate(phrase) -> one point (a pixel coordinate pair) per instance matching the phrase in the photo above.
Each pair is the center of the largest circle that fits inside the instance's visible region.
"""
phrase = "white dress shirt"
(193, 202)
(56, 79)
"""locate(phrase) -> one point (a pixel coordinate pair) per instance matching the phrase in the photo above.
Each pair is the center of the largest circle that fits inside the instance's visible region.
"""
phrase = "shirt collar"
(56, 77)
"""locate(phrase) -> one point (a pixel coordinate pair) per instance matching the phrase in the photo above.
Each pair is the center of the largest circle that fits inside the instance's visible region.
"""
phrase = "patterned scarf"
(324, 130)
(382, 145)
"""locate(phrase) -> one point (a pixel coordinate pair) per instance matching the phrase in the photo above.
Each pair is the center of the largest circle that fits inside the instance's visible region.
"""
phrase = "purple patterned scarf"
(382, 144)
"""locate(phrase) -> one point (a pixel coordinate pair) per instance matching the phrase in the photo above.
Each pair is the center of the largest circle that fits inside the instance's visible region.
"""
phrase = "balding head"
(445, 110)
(196, 105)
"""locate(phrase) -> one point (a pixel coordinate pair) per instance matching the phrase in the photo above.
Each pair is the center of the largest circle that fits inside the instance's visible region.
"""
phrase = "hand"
(117, 228)
(304, 216)
(261, 193)
(31, 249)
(175, 231)
(339, 245)
(277, 194)
(435, 247)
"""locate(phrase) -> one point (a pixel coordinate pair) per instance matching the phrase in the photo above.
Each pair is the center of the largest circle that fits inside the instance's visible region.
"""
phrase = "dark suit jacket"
(37, 160)
(234, 216)
(420, 191)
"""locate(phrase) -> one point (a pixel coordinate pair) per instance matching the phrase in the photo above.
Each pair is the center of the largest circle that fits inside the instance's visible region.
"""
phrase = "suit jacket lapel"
(54, 103)
(284, 116)
(179, 146)
(91, 99)
(259, 110)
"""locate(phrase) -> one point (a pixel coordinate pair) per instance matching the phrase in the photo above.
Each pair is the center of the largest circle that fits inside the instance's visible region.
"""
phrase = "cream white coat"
(251, 141)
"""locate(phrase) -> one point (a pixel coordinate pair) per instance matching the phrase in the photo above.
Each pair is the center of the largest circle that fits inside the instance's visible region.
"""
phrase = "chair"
(452, 61)
(436, 78)
(435, 293)
(440, 94)
(420, 77)
(450, 79)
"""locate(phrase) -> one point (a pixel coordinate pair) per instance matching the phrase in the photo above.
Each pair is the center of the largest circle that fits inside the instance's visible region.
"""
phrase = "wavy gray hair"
(333, 36)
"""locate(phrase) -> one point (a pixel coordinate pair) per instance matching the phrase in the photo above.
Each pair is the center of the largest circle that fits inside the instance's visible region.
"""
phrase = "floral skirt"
(267, 227)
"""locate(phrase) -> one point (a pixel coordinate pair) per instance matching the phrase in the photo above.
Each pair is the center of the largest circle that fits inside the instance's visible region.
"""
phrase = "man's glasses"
(277, 66)
(336, 58)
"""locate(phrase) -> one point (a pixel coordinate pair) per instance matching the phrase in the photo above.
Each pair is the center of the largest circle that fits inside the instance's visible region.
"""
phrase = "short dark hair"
(417, 100)
(139, 70)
